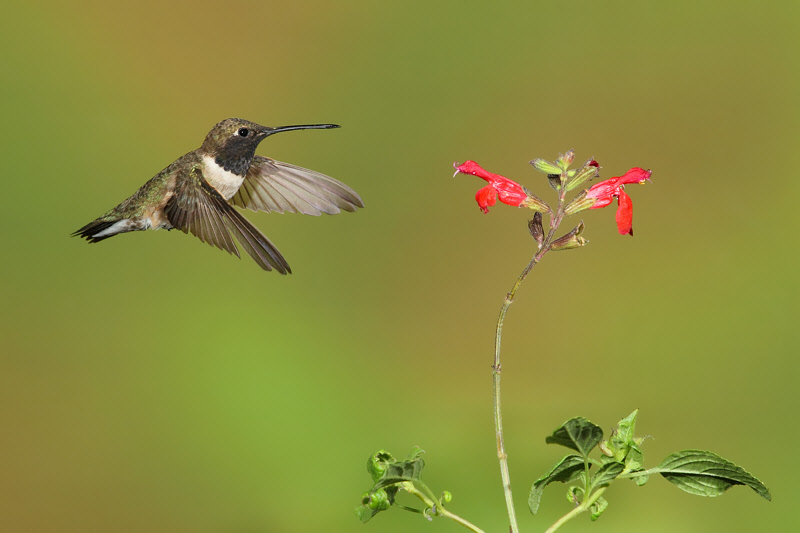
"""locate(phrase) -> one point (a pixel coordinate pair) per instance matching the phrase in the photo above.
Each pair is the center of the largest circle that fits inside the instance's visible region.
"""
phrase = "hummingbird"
(197, 194)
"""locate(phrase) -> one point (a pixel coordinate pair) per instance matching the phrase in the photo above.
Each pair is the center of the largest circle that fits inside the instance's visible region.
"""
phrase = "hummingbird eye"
(243, 132)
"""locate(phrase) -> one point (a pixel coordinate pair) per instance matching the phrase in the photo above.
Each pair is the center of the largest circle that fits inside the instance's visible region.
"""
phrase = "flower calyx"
(589, 171)
(571, 240)
(536, 229)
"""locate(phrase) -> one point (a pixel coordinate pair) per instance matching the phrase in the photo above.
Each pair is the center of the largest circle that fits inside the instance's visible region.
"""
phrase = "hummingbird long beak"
(269, 131)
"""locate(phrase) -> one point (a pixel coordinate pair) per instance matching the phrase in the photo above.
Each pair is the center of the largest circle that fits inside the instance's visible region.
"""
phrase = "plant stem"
(496, 367)
(578, 510)
(438, 509)
(455, 518)
(498, 417)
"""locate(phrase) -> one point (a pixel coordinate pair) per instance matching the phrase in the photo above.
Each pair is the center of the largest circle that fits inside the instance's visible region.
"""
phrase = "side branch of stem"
(584, 506)
(436, 508)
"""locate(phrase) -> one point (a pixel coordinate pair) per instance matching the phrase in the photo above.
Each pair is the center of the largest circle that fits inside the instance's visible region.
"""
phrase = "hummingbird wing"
(198, 208)
(274, 186)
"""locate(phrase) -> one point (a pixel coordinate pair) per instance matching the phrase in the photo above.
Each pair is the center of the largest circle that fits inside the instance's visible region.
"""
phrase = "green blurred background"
(152, 383)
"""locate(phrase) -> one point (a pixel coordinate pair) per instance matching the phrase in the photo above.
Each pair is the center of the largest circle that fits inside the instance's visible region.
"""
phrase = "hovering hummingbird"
(197, 193)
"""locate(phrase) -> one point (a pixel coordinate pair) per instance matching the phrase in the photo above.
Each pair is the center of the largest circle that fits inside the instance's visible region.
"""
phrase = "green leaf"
(364, 513)
(597, 508)
(707, 474)
(400, 472)
(567, 469)
(415, 453)
(607, 473)
(578, 434)
(378, 462)
(623, 446)
(634, 459)
(622, 437)
(640, 480)
(388, 475)
(625, 428)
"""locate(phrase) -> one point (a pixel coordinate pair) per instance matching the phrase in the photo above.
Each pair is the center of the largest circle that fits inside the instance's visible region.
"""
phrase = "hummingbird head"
(233, 142)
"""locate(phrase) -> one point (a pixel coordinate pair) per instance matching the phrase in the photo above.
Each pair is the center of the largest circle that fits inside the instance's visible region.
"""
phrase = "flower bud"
(571, 240)
(588, 172)
(545, 166)
(579, 203)
(377, 501)
(605, 449)
(536, 229)
(446, 497)
(565, 159)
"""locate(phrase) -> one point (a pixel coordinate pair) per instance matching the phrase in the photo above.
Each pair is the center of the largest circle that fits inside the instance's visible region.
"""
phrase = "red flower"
(510, 192)
(605, 191)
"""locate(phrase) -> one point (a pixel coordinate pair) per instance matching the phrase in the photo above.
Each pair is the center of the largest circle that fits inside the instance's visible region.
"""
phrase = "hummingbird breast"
(224, 181)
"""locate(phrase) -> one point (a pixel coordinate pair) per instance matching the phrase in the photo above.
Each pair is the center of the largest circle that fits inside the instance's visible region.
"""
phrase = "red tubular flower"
(508, 191)
(605, 191)
(624, 213)
(486, 197)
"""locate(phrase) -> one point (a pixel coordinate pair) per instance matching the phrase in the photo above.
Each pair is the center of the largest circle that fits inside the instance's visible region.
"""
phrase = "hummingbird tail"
(100, 229)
